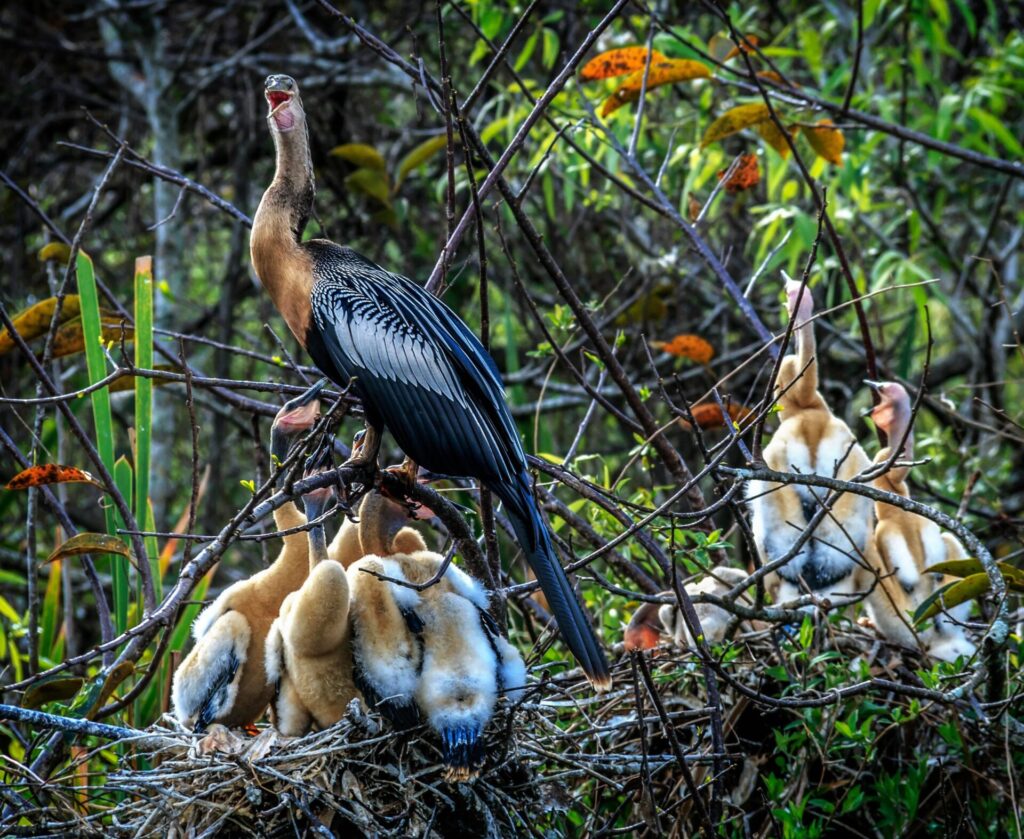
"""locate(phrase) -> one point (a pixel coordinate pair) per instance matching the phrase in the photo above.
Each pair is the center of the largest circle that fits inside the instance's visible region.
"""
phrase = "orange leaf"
(694, 208)
(735, 120)
(665, 71)
(709, 415)
(770, 133)
(747, 174)
(618, 62)
(775, 77)
(754, 41)
(827, 142)
(692, 347)
(50, 473)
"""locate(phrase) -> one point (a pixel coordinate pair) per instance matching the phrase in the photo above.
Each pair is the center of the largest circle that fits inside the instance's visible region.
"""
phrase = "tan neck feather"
(379, 519)
(282, 265)
(292, 564)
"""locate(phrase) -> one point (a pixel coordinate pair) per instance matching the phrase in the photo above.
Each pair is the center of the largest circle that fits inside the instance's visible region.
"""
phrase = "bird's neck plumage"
(317, 546)
(806, 348)
(802, 370)
(292, 564)
(283, 267)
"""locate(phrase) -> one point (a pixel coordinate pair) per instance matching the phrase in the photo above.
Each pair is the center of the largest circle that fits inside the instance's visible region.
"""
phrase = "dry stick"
(446, 110)
(148, 592)
(486, 500)
(856, 60)
(696, 240)
(519, 139)
(837, 245)
(708, 817)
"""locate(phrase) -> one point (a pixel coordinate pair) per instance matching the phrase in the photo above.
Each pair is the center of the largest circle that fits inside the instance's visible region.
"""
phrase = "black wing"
(216, 699)
(418, 368)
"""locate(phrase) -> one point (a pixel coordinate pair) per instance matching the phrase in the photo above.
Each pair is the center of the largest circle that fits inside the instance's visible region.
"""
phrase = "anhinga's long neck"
(316, 503)
(289, 198)
(280, 263)
(807, 385)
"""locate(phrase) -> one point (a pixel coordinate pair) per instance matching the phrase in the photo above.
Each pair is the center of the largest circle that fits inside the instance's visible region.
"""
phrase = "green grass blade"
(122, 596)
(144, 406)
(49, 623)
(96, 364)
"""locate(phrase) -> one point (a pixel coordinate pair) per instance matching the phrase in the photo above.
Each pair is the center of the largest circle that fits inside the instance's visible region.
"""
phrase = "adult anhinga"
(417, 368)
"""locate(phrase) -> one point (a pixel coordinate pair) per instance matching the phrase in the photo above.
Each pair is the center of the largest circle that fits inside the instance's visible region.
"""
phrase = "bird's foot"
(365, 446)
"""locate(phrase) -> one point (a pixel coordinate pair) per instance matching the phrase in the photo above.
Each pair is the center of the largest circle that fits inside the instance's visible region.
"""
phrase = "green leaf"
(995, 125)
(371, 182)
(56, 688)
(122, 589)
(144, 405)
(962, 591)
(49, 620)
(420, 155)
(360, 154)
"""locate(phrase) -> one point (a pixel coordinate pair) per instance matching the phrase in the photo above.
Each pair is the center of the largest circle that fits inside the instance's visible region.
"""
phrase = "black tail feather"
(572, 620)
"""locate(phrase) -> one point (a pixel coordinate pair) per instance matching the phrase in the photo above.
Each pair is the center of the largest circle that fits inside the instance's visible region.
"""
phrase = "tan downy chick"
(309, 654)
(434, 653)
(653, 620)
(223, 679)
(810, 439)
(907, 544)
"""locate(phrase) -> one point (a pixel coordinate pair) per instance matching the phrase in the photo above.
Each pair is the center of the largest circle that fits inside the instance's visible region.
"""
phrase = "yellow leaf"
(90, 543)
(733, 121)
(360, 154)
(35, 320)
(828, 142)
(372, 182)
(770, 133)
(55, 250)
(70, 338)
(618, 62)
(666, 71)
(420, 155)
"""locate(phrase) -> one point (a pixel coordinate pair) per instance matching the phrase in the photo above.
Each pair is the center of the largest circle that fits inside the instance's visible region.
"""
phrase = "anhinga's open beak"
(280, 90)
(875, 386)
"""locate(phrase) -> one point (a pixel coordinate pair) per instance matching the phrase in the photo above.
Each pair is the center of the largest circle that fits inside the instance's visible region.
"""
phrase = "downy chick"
(907, 545)
(309, 655)
(653, 620)
(223, 679)
(450, 663)
(811, 440)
